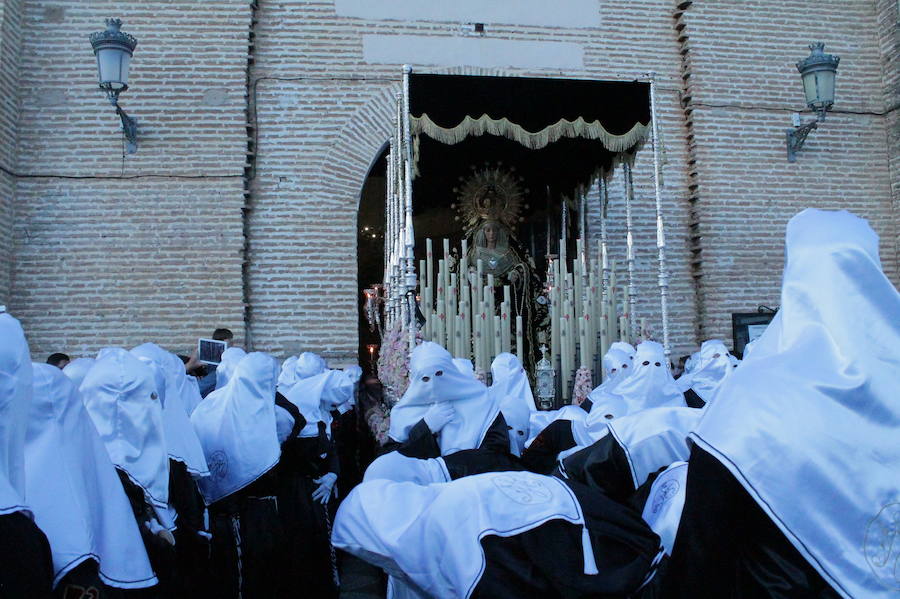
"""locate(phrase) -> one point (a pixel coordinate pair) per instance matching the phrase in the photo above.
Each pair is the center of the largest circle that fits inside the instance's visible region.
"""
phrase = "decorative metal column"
(629, 243)
(602, 184)
(410, 279)
(660, 228)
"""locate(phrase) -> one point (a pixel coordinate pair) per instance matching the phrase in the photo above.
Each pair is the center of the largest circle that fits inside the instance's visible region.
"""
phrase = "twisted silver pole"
(629, 242)
(604, 265)
(660, 228)
(410, 282)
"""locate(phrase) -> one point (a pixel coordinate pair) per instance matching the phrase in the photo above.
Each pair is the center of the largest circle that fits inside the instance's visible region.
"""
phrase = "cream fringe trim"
(533, 140)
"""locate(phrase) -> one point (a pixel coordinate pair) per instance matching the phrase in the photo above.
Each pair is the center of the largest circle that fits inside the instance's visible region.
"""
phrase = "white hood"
(77, 498)
(227, 363)
(121, 397)
(236, 427)
(810, 422)
(512, 391)
(308, 364)
(77, 369)
(654, 438)
(182, 444)
(15, 397)
(434, 377)
(287, 377)
(713, 367)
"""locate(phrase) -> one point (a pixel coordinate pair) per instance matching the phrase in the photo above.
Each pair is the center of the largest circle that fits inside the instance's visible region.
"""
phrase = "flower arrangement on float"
(393, 371)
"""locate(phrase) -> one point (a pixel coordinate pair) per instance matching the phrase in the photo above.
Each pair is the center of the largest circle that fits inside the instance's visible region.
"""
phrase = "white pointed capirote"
(809, 423)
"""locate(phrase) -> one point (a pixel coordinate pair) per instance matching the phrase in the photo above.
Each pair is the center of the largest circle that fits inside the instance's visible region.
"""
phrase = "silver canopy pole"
(660, 229)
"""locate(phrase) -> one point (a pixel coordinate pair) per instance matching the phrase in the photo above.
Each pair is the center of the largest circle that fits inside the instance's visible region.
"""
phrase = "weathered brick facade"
(102, 250)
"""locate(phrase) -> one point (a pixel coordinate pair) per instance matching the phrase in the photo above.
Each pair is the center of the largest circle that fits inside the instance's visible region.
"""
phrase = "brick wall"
(114, 249)
(10, 42)
(118, 251)
(888, 15)
(743, 87)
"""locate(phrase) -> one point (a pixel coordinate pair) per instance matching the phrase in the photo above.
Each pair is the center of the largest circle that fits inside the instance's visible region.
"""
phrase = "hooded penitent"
(73, 489)
(228, 362)
(236, 427)
(431, 534)
(182, 444)
(809, 424)
(77, 369)
(650, 385)
(316, 395)
(433, 377)
(121, 397)
(713, 367)
(15, 395)
(512, 391)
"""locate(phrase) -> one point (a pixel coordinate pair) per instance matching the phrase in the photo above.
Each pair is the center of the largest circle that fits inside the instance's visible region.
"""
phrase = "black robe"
(541, 455)
(728, 548)
(422, 443)
(27, 569)
(548, 561)
(603, 466)
(247, 542)
(191, 537)
(310, 560)
(161, 553)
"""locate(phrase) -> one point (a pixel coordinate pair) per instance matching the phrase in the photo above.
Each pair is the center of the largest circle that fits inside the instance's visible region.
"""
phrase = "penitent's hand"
(439, 415)
(326, 484)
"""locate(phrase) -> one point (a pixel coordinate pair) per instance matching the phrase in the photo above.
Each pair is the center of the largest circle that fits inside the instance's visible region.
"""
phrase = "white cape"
(662, 512)
(72, 487)
(15, 396)
(397, 467)
(809, 424)
(120, 395)
(236, 427)
(654, 439)
(389, 524)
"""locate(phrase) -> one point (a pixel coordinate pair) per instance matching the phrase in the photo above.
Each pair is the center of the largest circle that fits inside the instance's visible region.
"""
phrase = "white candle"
(520, 336)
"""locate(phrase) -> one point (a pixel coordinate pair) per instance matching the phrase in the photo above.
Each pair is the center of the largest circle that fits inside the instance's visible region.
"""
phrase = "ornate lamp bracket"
(797, 136)
(129, 127)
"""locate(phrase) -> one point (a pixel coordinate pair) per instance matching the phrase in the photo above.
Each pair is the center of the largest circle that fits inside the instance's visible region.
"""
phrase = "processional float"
(454, 299)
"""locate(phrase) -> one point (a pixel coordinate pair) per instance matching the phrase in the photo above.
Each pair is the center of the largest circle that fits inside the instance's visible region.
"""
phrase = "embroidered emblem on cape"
(527, 491)
(666, 492)
(218, 464)
(882, 545)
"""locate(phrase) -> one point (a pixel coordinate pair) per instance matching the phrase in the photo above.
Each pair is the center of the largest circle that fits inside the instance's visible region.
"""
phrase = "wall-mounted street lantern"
(113, 49)
(817, 72)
